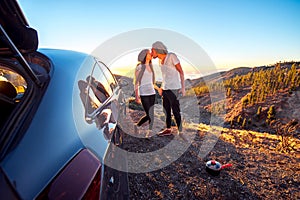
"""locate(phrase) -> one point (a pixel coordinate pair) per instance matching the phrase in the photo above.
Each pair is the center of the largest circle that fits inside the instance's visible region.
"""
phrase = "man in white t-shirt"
(172, 85)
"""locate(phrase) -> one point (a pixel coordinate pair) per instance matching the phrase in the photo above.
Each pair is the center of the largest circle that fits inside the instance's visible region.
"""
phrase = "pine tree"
(228, 92)
(244, 123)
(239, 119)
(258, 111)
(293, 74)
(271, 114)
(231, 123)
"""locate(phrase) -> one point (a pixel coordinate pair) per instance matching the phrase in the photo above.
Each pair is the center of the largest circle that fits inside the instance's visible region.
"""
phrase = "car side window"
(99, 87)
(109, 76)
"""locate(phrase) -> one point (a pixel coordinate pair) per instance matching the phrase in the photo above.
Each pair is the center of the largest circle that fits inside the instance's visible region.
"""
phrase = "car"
(59, 119)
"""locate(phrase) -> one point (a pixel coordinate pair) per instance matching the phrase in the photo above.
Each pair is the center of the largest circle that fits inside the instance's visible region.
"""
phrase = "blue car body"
(51, 139)
(55, 138)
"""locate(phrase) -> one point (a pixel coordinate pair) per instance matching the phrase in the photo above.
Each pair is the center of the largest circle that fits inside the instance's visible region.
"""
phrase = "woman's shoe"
(148, 134)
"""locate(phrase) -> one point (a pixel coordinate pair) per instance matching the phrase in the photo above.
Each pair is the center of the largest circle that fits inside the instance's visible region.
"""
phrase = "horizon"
(122, 67)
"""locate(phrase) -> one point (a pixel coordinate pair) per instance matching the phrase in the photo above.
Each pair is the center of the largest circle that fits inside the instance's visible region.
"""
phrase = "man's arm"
(179, 69)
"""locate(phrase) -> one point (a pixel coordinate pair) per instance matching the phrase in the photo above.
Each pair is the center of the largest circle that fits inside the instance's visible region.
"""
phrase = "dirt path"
(259, 171)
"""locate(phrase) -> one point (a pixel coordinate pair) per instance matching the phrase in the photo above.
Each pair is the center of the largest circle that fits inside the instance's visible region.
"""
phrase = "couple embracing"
(172, 86)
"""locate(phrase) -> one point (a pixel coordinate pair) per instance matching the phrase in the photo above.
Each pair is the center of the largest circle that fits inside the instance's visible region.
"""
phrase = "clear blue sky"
(233, 33)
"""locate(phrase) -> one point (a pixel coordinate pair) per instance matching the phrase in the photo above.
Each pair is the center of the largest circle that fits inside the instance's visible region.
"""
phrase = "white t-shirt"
(170, 75)
(146, 86)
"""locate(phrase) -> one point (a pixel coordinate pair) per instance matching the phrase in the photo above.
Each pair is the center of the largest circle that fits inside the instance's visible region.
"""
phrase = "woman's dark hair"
(142, 59)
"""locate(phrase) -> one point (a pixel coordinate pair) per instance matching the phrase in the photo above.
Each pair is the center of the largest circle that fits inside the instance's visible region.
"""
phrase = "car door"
(99, 97)
(103, 102)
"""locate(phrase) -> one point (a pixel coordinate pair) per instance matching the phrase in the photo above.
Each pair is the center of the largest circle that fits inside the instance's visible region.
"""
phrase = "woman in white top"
(144, 86)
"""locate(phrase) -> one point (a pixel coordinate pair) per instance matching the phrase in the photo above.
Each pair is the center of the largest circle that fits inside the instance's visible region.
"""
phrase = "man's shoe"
(164, 132)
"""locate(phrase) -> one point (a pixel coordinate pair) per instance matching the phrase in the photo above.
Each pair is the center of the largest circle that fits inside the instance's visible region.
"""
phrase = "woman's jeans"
(148, 105)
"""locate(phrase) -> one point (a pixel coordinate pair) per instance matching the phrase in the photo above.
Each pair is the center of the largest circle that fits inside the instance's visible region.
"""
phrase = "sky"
(233, 33)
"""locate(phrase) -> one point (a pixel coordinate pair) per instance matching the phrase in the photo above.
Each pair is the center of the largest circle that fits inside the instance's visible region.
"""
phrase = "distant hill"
(274, 85)
(238, 71)
(219, 76)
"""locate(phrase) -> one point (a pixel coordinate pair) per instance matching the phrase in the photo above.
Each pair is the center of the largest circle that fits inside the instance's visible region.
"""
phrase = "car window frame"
(103, 105)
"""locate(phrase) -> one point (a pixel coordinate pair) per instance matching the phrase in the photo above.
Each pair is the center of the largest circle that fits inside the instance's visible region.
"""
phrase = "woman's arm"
(136, 87)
